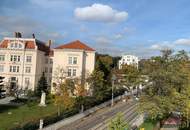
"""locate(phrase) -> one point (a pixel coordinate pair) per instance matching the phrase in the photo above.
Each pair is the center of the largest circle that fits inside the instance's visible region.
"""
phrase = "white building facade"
(23, 60)
(75, 60)
(128, 60)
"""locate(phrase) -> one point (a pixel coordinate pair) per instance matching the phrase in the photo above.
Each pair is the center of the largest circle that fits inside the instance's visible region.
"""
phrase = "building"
(128, 60)
(75, 59)
(23, 60)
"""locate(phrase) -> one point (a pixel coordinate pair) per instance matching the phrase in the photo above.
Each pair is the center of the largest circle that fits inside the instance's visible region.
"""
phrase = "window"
(128, 59)
(27, 81)
(51, 61)
(46, 61)
(20, 46)
(18, 58)
(12, 45)
(50, 79)
(16, 46)
(13, 79)
(27, 69)
(74, 60)
(50, 69)
(1, 68)
(2, 57)
(70, 60)
(15, 58)
(14, 69)
(69, 72)
(72, 72)
(46, 69)
(28, 58)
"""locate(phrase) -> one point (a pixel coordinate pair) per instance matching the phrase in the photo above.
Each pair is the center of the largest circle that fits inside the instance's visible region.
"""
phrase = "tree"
(63, 98)
(81, 93)
(104, 63)
(129, 78)
(169, 86)
(42, 85)
(96, 82)
(70, 84)
(118, 123)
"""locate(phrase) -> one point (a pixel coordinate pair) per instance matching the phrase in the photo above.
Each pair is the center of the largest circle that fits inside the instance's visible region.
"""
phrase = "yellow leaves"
(80, 90)
(63, 99)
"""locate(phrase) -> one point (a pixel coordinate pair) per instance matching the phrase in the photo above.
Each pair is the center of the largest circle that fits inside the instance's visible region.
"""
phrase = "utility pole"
(113, 79)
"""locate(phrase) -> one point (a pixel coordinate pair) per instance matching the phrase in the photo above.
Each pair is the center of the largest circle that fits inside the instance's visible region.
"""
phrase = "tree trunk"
(58, 111)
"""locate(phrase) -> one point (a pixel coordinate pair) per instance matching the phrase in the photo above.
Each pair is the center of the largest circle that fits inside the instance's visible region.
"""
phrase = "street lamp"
(113, 79)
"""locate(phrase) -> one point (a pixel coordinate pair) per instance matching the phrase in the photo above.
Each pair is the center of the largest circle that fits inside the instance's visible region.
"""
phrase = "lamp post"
(113, 79)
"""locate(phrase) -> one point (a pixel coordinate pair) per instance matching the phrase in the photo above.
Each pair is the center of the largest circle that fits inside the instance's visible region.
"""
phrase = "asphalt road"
(100, 119)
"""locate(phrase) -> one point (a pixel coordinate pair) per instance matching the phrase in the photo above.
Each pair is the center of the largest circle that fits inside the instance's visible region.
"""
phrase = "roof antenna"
(33, 35)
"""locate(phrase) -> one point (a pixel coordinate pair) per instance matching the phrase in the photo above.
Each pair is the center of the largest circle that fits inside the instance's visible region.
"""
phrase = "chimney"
(49, 43)
(33, 35)
(18, 35)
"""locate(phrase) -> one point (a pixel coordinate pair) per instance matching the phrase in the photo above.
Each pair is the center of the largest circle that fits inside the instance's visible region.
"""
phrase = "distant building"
(128, 60)
(23, 60)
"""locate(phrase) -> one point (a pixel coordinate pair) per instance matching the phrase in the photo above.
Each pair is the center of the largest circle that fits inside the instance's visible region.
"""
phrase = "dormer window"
(16, 45)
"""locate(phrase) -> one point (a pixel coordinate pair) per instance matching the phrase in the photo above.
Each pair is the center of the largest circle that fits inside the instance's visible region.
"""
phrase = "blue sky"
(140, 27)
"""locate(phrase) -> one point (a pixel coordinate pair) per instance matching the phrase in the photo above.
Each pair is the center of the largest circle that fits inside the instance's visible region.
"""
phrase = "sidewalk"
(6, 100)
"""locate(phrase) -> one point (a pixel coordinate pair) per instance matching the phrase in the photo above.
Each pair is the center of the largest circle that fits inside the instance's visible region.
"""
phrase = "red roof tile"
(4, 44)
(75, 45)
(30, 44)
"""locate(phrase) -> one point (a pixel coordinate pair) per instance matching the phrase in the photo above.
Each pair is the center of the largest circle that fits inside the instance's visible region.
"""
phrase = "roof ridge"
(76, 44)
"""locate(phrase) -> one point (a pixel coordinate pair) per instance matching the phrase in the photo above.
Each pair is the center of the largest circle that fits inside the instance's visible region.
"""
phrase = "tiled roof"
(4, 44)
(75, 45)
(30, 44)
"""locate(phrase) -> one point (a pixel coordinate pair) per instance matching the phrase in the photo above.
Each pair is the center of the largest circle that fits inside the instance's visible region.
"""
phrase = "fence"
(71, 119)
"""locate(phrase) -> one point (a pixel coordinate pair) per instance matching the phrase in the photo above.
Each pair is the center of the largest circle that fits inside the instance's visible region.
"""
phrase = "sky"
(115, 27)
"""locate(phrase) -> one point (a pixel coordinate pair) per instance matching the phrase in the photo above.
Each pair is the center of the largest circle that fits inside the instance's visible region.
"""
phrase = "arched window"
(20, 46)
(16, 45)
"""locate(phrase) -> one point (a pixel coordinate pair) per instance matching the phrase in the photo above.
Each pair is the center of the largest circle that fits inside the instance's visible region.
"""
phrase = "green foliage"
(104, 63)
(97, 84)
(42, 85)
(148, 125)
(63, 99)
(70, 84)
(118, 123)
(132, 76)
(169, 87)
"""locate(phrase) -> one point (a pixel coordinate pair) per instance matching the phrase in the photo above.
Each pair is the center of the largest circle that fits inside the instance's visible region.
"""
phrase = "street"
(100, 119)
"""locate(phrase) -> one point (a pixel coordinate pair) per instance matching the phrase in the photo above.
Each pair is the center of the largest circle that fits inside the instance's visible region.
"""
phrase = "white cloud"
(161, 46)
(102, 40)
(118, 36)
(101, 13)
(182, 41)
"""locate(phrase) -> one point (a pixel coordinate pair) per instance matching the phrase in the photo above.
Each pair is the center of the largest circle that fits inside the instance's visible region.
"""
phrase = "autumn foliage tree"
(168, 90)
(63, 99)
